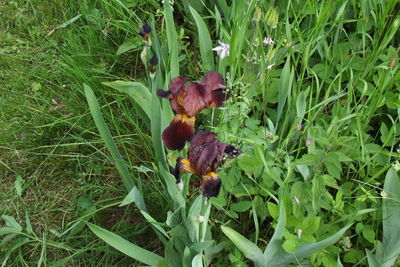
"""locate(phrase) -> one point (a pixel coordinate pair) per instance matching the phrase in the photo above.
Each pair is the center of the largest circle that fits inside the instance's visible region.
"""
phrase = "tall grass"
(316, 115)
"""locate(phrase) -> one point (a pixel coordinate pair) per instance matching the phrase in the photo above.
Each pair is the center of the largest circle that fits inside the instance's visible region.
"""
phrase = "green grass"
(48, 137)
(335, 71)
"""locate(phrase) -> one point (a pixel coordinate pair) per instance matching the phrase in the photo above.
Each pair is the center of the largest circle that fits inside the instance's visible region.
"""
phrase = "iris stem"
(204, 212)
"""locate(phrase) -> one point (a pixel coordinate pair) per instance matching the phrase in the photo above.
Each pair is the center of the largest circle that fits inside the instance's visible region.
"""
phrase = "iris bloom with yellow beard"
(188, 99)
(205, 155)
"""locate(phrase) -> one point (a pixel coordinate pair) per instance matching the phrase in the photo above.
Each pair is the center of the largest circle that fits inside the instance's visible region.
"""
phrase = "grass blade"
(207, 58)
(65, 24)
(126, 247)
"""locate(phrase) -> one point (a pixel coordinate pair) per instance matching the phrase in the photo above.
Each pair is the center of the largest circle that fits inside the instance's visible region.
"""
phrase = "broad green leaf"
(126, 247)
(6, 239)
(391, 219)
(330, 181)
(305, 250)
(28, 228)
(204, 41)
(368, 233)
(353, 255)
(8, 230)
(198, 247)
(317, 190)
(307, 159)
(18, 184)
(284, 88)
(261, 207)
(241, 206)
(197, 261)
(106, 135)
(172, 188)
(301, 103)
(272, 209)
(193, 216)
(275, 245)
(372, 260)
(156, 224)
(137, 91)
(186, 257)
(310, 224)
(11, 222)
(249, 249)
(134, 196)
(290, 245)
(303, 169)
(172, 38)
(206, 215)
(157, 120)
(128, 45)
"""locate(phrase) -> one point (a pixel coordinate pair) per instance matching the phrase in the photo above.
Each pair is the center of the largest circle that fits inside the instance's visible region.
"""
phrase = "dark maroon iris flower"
(193, 97)
(145, 32)
(205, 155)
(188, 99)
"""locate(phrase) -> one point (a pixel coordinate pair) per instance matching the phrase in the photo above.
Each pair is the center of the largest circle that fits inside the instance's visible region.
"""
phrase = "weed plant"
(314, 109)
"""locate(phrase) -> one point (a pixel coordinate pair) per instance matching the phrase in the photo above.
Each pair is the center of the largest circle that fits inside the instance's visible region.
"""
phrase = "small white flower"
(270, 66)
(298, 202)
(299, 126)
(384, 194)
(180, 186)
(345, 243)
(200, 219)
(309, 141)
(171, 2)
(299, 232)
(222, 50)
(396, 166)
(268, 41)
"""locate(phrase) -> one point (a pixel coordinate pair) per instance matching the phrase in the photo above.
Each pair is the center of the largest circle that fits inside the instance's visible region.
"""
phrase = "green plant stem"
(203, 224)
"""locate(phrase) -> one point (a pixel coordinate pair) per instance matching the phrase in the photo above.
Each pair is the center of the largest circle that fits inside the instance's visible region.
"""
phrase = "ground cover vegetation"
(309, 103)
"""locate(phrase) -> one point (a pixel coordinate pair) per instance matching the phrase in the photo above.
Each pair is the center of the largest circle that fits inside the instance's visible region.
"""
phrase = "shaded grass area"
(48, 141)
